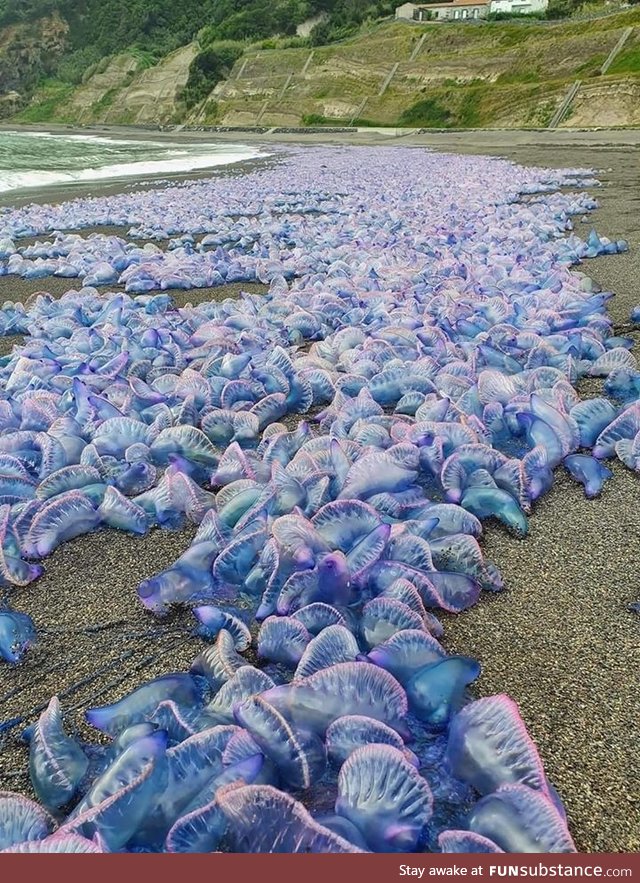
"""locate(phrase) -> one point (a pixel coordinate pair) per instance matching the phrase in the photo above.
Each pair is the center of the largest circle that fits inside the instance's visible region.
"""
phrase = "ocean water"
(43, 159)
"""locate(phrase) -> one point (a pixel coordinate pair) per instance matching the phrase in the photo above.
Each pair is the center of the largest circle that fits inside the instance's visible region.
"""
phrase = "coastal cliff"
(29, 52)
(508, 74)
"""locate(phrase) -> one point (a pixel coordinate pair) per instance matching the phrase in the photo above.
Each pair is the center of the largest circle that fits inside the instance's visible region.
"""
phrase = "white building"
(450, 10)
(461, 10)
(524, 7)
(406, 11)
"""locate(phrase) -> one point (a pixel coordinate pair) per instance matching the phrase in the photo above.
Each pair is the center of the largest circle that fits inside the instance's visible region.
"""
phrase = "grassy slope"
(465, 75)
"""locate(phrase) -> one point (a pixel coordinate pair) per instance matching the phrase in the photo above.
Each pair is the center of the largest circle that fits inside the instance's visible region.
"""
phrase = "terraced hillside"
(499, 74)
(503, 74)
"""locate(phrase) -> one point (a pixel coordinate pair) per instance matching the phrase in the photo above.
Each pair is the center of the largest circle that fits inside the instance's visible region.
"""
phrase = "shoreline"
(560, 640)
(54, 194)
(448, 141)
(276, 134)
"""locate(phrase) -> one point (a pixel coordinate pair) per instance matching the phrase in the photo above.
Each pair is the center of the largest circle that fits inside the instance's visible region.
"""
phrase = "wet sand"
(561, 640)
(57, 193)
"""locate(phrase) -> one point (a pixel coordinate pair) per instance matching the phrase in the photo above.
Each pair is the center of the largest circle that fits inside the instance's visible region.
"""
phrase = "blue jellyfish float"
(408, 372)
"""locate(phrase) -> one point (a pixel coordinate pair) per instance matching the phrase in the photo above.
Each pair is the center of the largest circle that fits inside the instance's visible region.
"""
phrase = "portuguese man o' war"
(338, 442)
(17, 634)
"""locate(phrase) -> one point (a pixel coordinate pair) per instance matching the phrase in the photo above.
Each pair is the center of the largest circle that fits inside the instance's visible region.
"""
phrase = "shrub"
(104, 102)
(313, 119)
(76, 67)
(207, 69)
(427, 113)
(562, 8)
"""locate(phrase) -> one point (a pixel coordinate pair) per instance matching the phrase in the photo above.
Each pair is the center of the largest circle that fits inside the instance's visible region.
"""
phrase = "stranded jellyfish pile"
(339, 440)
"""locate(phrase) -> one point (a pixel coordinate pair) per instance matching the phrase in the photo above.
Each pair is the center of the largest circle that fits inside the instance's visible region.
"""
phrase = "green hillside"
(505, 74)
(101, 28)
(463, 75)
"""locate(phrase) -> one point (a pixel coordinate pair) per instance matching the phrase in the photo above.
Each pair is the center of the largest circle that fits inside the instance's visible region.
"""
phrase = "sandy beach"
(560, 640)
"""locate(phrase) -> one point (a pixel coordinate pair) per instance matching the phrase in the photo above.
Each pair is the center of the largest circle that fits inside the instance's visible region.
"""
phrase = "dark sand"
(89, 582)
(560, 640)
(16, 289)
